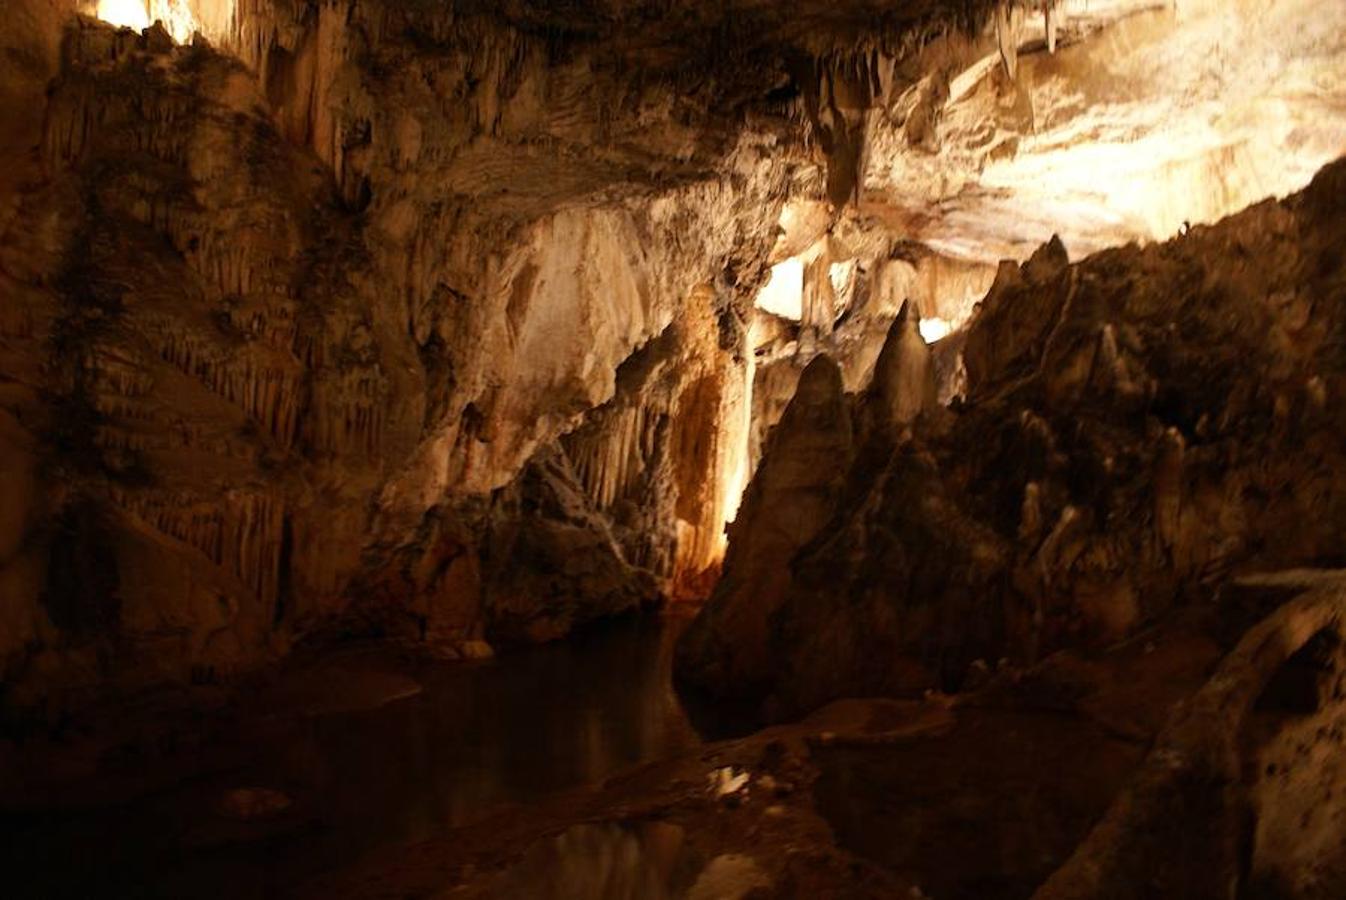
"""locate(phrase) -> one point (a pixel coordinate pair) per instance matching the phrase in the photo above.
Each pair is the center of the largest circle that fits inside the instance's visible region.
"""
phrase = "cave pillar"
(1008, 22)
(710, 454)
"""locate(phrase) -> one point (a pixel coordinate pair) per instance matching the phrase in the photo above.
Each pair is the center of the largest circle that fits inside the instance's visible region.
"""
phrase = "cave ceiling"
(1142, 116)
(1149, 116)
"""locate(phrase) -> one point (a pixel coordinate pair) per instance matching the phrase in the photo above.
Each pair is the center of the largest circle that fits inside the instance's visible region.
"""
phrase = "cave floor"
(981, 796)
(572, 771)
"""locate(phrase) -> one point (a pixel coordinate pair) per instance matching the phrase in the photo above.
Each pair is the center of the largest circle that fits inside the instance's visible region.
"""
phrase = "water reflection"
(476, 738)
(502, 732)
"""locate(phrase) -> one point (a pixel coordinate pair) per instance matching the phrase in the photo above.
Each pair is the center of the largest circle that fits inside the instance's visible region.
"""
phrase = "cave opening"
(635, 448)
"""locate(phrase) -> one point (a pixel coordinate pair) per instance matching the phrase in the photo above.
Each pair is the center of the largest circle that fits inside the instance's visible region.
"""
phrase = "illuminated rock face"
(1138, 426)
(307, 321)
(1140, 121)
(394, 358)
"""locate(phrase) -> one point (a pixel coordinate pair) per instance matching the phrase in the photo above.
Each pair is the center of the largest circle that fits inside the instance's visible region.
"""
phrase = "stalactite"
(267, 393)
(239, 531)
(348, 414)
(1007, 37)
(120, 375)
(271, 277)
(611, 460)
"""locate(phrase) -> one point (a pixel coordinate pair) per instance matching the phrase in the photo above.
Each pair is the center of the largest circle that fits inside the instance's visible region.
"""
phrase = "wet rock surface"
(1082, 776)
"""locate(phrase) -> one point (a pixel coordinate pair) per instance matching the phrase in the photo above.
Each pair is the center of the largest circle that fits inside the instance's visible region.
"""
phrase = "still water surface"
(476, 738)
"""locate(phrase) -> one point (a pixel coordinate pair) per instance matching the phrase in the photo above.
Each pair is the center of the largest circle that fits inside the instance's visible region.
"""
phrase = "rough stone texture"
(1137, 427)
(293, 308)
(304, 311)
(1139, 122)
(794, 493)
(1240, 753)
(242, 370)
(1101, 122)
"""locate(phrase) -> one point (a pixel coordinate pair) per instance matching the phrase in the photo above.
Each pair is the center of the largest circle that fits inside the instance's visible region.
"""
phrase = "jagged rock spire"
(904, 376)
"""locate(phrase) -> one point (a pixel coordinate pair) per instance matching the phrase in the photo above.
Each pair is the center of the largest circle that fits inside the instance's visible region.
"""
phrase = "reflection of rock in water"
(637, 861)
(604, 862)
(370, 748)
(729, 877)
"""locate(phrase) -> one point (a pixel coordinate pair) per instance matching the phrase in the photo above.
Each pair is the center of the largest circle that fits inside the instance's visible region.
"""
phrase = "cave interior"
(707, 449)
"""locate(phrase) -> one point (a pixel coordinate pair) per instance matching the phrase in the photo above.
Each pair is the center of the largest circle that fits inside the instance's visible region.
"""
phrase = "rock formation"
(464, 324)
(306, 305)
(295, 321)
(373, 317)
(792, 496)
(903, 385)
(1138, 427)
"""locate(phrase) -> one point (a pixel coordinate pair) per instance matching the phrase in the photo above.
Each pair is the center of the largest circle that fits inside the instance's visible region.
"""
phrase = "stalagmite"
(787, 504)
(1168, 489)
(904, 376)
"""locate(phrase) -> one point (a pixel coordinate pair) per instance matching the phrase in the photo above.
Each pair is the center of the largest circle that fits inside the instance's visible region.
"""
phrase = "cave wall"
(373, 317)
(283, 331)
(306, 304)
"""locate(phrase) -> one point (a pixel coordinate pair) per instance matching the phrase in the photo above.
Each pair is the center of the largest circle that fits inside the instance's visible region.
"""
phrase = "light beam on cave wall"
(783, 294)
(124, 13)
(181, 18)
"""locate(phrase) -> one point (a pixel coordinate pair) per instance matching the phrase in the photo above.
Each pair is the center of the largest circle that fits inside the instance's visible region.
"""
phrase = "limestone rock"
(552, 562)
(304, 304)
(1127, 442)
(904, 376)
(297, 313)
(791, 500)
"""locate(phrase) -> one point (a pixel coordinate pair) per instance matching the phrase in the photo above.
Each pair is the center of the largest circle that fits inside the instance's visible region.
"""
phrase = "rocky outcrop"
(1240, 753)
(795, 491)
(1137, 427)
